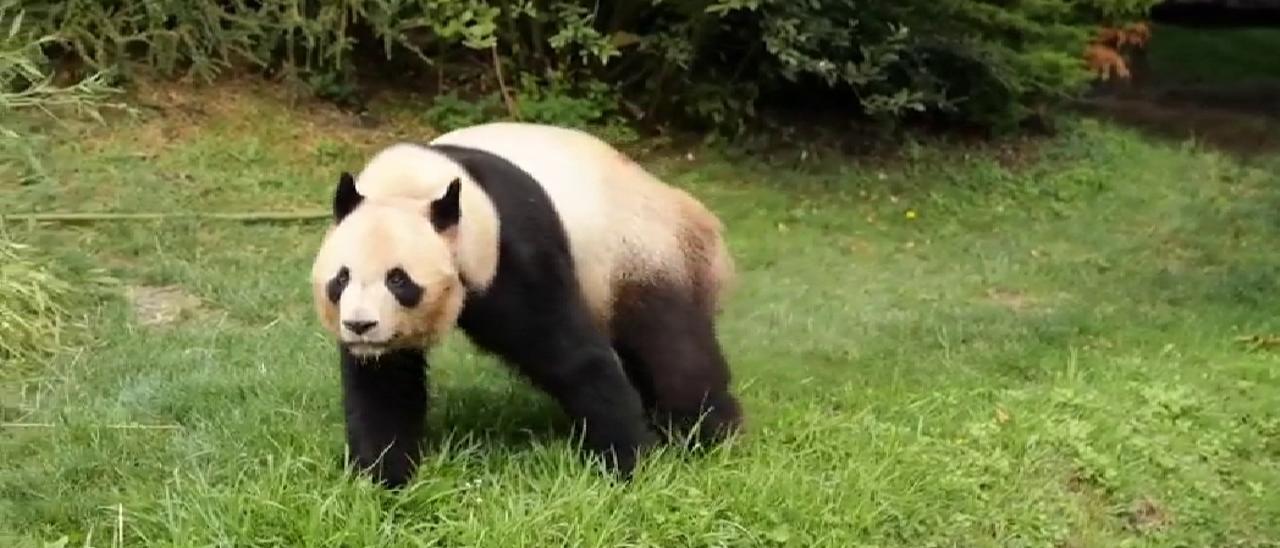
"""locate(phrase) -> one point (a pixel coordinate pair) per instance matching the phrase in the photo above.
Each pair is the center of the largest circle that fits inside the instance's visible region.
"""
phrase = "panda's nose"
(359, 327)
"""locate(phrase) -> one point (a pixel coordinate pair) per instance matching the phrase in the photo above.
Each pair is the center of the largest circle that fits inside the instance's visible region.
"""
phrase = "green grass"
(1219, 56)
(1044, 355)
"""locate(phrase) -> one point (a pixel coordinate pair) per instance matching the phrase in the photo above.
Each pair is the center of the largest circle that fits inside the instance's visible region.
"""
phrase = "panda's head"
(385, 277)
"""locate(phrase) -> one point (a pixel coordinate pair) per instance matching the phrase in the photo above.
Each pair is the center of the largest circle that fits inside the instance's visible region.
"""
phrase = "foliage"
(32, 308)
(556, 102)
(25, 80)
(713, 62)
(449, 111)
(27, 84)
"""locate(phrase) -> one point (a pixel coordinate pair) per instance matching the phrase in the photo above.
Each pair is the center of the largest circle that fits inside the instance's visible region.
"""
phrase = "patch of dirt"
(1017, 300)
(1078, 484)
(1011, 299)
(176, 111)
(1149, 515)
(158, 306)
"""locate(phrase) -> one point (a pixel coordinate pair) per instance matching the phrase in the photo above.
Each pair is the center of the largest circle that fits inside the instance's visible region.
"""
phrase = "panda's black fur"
(533, 316)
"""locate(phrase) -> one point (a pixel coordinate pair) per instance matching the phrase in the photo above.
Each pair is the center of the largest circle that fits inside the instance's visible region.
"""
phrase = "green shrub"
(26, 83)
(32, 313)
(451, 112)
(712, 62)
(557, 101)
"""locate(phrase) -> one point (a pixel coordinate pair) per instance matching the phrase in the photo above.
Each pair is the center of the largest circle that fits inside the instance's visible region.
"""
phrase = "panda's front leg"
(546, 332)
(592, 388)
(385, 401)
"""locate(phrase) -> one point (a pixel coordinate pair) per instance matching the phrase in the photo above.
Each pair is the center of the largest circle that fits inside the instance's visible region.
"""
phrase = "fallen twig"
(1260, 342)
(104, 217)
(111, 426)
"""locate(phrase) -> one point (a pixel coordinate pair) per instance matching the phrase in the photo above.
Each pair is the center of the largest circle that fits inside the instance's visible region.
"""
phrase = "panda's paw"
(621, 463)
(393, 480)
(390, 471)
(621, 457)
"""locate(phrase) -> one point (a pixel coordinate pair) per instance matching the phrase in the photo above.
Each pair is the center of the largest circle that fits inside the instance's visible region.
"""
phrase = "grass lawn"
(958, 347)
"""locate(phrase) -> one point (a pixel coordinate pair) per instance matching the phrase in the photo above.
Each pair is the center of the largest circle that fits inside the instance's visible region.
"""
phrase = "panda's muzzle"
(363, 346)
(359, 327)
(366, 349)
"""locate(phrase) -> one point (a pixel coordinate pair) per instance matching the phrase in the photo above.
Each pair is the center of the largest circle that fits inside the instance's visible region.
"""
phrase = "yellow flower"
(911, 214)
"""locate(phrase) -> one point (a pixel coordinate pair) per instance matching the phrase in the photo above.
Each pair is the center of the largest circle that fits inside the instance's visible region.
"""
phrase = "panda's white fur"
(623, 224)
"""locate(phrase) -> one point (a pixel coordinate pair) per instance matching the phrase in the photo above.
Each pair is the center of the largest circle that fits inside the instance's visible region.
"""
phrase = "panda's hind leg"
(666, 338)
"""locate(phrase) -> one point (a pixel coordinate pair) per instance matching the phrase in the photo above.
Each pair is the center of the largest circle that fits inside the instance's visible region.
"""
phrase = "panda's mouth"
(366, 349)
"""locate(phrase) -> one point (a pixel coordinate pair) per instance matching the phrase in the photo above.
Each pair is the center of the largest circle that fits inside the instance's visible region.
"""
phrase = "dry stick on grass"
(102, 217)
(110, 426)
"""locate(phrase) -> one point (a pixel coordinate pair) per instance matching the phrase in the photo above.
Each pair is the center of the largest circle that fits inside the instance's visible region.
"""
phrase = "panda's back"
(622, 223)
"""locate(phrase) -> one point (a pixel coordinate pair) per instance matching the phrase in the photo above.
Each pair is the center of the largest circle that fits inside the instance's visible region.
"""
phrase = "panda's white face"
(385, 279)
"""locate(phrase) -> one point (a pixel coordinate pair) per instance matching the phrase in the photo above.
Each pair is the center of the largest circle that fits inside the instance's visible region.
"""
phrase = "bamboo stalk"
(74, 217)
(512, 107)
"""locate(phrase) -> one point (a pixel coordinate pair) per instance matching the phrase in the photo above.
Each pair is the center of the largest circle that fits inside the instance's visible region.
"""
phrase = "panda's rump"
(625, 228)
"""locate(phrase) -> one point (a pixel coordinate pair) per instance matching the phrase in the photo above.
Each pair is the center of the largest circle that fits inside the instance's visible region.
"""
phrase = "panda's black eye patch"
(338, 283)
(407, 292)
(397, 278)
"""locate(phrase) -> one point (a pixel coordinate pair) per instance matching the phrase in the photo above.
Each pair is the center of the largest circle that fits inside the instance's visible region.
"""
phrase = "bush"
(710, 62)
(25, 81)
(27, 84)
(32, 313)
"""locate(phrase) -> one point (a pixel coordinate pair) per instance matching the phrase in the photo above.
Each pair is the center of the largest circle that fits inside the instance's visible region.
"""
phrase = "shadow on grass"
(1226, 129)
(507, 415)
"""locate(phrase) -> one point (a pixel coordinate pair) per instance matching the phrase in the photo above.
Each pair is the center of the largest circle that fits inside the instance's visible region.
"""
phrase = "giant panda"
(549, 249)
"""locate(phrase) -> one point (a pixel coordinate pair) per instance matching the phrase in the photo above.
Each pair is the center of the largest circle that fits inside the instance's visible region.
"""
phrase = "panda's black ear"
(345, 198)
(446, 210)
